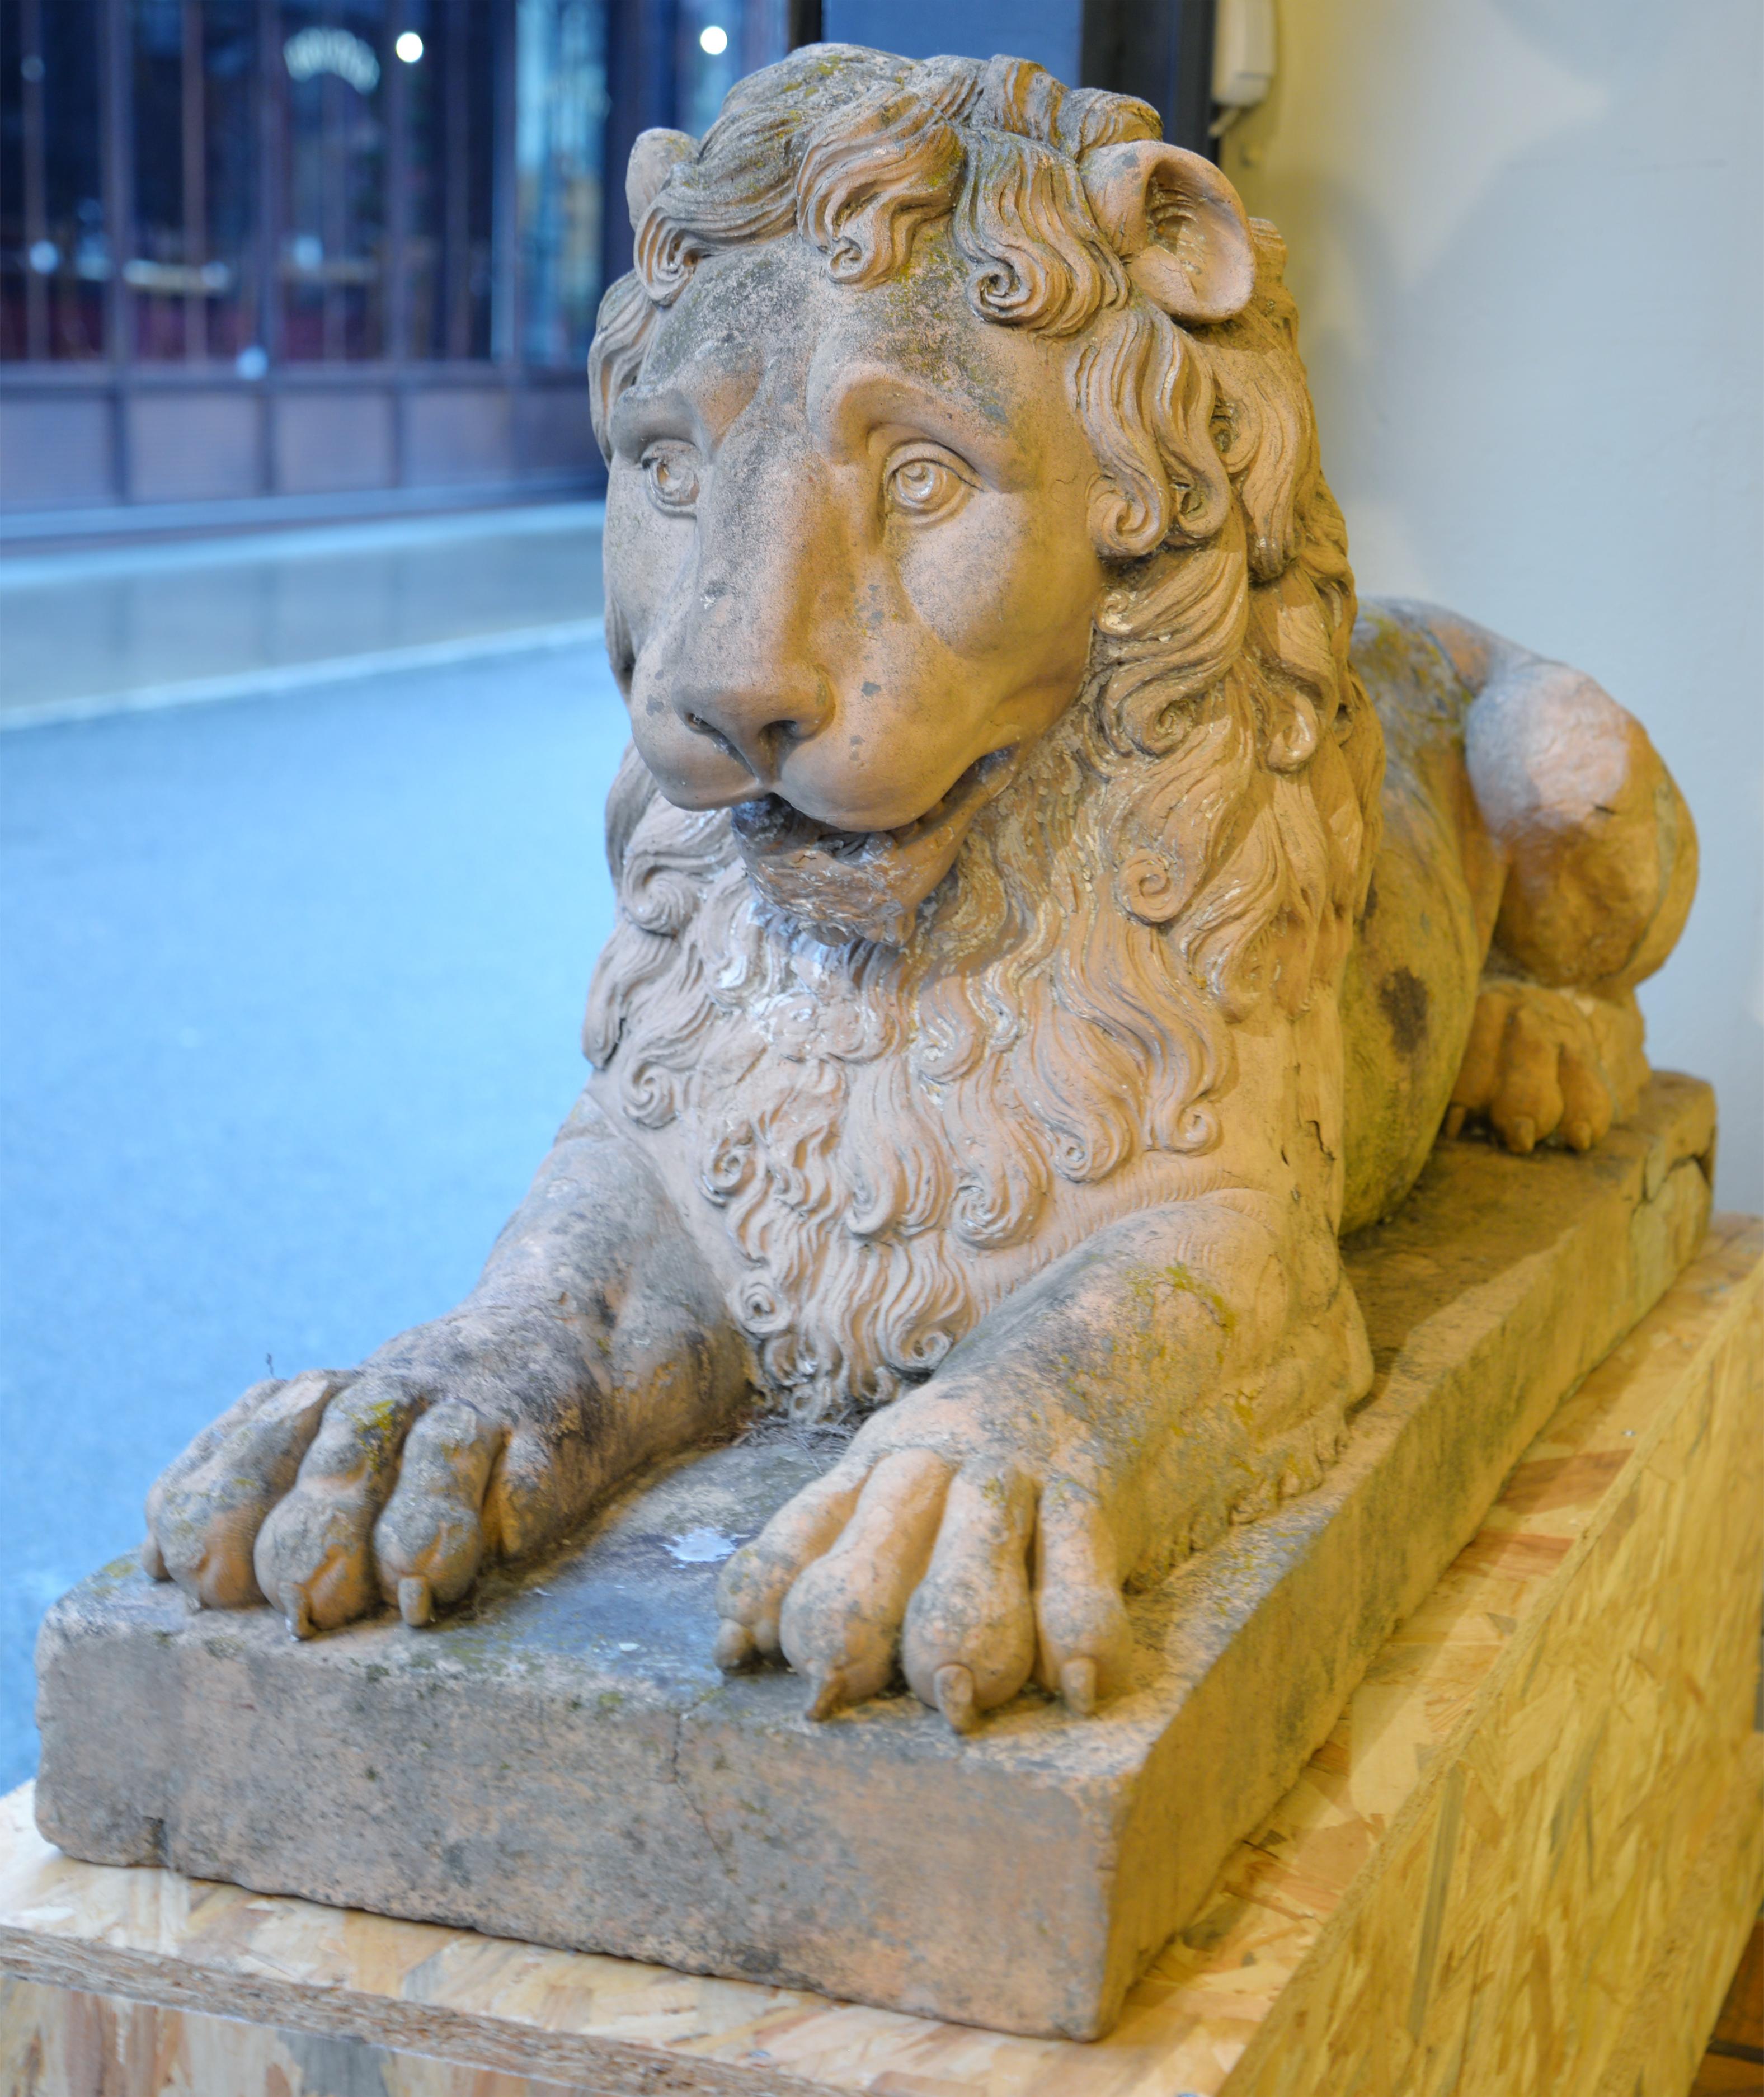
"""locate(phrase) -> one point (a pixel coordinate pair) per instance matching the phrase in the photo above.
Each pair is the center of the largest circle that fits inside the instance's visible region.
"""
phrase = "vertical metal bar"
(397, 344)
(115, 170)
(36, 182)
(266, 233)
(192, 113)
(271, 73)
(456, 161)
(119, 231)
(334, 219)
(505, 230)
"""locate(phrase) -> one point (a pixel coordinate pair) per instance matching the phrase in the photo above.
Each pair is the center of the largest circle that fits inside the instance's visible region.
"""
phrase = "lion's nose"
(758, 725)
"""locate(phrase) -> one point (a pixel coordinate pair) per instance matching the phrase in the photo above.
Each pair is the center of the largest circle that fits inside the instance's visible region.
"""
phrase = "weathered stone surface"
(563, 1764)
(1048, 917)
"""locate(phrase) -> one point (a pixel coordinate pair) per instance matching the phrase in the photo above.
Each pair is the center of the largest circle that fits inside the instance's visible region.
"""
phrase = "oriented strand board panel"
(1661, 2051)
(561, 1762)
(65, 2042)
(1534, 1840)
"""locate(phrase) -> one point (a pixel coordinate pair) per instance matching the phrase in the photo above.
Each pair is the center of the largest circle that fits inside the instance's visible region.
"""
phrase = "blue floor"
(290, 990)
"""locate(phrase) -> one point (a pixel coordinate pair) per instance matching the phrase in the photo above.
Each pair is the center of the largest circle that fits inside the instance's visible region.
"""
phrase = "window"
(192, 264)
(447, 72)
(329, 78)
(245, 185)
(562, 105)
(54, 257)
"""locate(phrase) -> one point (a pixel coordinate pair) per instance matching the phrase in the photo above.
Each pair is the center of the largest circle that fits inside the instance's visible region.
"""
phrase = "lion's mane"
(1184, 853)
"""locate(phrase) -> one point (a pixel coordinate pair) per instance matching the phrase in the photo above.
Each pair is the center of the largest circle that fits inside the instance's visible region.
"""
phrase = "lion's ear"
(1178, 225)
(653, 160)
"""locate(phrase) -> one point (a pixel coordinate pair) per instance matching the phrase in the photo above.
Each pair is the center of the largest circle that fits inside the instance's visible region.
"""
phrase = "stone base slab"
(561, 1764)
(1525, 1859)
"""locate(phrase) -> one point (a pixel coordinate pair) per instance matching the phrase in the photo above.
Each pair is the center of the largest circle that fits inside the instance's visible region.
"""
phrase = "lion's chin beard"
(848, 884)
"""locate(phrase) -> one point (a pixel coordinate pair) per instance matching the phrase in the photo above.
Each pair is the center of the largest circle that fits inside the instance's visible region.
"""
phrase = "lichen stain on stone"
(1404, 1000)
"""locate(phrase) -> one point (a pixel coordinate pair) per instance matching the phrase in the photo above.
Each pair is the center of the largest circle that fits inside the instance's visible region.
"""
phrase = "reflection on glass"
(450, 177)
(54, 258)
(317, 181)
(710, 61)
(720, 41)
(333, 212)
(192, 264)
(561, 104)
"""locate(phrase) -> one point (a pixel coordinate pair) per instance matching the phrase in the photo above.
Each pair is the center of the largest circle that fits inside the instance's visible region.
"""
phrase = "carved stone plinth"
(1525, 1859)
(562, 1763)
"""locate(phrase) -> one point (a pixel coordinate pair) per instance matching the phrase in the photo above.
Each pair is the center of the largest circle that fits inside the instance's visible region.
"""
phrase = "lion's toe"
(204, 1514)
(429, 1541)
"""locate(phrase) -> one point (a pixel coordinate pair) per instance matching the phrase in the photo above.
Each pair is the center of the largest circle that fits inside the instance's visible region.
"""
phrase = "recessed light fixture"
(713, 40)
(408, 47)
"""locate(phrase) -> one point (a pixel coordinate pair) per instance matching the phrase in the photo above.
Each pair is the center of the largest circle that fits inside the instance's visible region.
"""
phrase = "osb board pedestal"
(1524, 1860)
(560, 1761)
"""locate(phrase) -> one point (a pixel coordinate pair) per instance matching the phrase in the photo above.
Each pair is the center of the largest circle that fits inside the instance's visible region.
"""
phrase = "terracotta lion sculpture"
(1047, 921)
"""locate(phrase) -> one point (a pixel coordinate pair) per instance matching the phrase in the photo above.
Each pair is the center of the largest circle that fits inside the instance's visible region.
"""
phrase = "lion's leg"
(1183, 1369)
(1598, 860)
(1537, 863)
(595, 1338)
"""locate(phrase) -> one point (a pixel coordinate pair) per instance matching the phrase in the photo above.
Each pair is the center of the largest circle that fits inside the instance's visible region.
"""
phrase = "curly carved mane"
(1185, 852)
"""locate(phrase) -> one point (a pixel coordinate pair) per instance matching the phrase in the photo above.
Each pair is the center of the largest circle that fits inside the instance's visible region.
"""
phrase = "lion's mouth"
(864, 884)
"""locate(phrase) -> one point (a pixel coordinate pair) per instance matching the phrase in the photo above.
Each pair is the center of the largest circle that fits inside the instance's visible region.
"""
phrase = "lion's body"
(1409, 991)
(877, 1146)
(873, 1154)
(1034, 946)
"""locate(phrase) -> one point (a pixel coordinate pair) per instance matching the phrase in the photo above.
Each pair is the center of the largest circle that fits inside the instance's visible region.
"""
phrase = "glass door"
(192, 266)
(331, 81)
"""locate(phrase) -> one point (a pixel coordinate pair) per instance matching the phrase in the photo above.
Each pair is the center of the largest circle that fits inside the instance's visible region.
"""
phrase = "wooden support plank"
(1533, 1844)
(1661, 2048)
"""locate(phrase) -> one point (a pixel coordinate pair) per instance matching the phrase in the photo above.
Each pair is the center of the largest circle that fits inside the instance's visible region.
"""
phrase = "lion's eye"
(922, 487)
(672, 471)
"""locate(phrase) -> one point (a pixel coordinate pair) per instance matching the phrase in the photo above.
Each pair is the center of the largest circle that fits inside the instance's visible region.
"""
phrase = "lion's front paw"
(1544, 1064)
(978, 1560)
(329, 1492)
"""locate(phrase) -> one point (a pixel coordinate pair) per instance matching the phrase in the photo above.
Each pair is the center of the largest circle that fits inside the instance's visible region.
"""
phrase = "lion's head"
(984, 617)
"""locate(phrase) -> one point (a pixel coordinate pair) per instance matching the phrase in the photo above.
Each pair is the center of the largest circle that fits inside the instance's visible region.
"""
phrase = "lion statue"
(1047, 921)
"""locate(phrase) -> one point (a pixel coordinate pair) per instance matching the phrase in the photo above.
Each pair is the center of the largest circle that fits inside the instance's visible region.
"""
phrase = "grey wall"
(1528, 248)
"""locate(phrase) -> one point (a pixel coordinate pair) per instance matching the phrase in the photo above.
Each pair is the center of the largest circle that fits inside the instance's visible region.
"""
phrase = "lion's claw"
(296, 1608)
(955, 1697)
(1545, 1065)
(827, 1696)
(1078, 1687)
(736, 1646)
